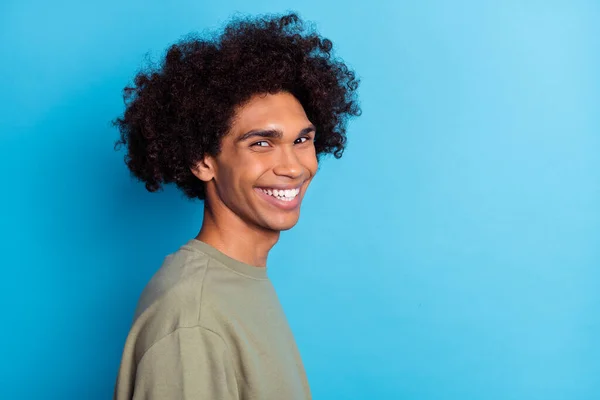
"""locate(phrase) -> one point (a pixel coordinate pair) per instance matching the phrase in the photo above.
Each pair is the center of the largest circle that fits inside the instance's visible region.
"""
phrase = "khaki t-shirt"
(210, 327)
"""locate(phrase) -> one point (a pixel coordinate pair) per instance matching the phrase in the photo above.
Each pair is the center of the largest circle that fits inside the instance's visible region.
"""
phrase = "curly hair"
(178, 112)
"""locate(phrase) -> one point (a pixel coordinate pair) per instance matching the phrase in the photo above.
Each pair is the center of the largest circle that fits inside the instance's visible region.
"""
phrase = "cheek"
(249, 170)
(309, 160)
(230, 180)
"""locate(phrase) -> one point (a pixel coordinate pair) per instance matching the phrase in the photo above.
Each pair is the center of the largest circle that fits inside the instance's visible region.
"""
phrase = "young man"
(239, 122)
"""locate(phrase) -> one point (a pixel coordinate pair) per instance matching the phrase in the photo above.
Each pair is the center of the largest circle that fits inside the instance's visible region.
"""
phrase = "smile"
(284, 195)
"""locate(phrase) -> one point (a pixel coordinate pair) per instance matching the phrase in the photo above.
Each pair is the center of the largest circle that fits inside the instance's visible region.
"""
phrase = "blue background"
(452, 253)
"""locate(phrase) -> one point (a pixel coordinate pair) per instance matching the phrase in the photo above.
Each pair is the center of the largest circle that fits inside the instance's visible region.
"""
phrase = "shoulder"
(191, 289)
(172, 299)
(180, 274)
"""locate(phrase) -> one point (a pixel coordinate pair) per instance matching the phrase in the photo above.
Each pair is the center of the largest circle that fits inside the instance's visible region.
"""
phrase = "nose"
(288, 164)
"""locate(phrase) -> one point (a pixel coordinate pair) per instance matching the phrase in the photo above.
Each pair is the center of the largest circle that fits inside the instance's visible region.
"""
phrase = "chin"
(286, 228)
(283, 225)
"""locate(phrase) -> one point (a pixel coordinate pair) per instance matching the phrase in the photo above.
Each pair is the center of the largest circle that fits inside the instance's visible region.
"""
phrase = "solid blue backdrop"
(452, 253)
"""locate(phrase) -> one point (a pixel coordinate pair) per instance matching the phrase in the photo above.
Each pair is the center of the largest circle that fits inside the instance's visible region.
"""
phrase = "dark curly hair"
(178, 112)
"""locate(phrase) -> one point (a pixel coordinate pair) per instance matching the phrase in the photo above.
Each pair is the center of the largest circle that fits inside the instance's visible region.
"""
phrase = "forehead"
(279, 110)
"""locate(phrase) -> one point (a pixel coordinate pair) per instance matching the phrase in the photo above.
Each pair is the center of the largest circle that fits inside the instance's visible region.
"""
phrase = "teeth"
(286, 195)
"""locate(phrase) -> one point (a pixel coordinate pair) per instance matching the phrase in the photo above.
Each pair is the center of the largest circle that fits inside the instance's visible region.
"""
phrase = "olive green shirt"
(210, 327)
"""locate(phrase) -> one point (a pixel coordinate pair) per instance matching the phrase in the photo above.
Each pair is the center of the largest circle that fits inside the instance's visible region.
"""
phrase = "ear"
(204, 169)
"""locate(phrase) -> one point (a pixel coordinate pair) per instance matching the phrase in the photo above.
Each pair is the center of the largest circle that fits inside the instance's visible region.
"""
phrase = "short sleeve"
(190, 363)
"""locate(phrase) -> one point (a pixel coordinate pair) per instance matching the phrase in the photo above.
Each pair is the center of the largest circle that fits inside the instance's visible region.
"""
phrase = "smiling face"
(266, 163)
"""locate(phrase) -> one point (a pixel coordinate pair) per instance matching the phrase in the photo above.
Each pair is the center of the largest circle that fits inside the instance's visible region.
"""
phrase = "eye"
(262, 143)
(301, 140)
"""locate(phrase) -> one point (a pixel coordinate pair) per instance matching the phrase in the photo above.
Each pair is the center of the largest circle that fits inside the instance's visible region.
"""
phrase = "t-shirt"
(210, 327)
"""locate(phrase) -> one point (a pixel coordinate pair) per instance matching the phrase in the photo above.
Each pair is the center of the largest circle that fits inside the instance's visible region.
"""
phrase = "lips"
(285, 205)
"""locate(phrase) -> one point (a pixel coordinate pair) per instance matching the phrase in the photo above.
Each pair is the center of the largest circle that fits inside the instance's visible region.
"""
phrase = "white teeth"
(286, 195)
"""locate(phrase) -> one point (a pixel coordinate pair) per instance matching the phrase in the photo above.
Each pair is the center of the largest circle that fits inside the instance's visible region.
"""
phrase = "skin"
(270, 144)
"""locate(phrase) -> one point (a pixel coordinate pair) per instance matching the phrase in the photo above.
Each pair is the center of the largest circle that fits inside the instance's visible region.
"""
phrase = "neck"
(228, 233)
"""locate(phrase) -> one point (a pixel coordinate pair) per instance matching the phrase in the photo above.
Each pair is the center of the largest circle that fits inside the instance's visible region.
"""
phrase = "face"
(266, 163)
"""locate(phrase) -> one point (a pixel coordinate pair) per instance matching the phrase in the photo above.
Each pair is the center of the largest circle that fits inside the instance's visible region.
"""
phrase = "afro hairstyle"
(177, 112)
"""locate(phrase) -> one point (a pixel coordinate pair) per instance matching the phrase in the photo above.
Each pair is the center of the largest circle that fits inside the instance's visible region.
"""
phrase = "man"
(239, 122)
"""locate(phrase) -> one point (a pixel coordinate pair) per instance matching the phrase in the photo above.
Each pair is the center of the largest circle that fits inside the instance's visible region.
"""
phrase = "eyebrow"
(271, 133)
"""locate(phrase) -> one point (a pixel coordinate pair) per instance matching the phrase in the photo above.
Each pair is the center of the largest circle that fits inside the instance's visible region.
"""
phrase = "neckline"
(231, 263)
